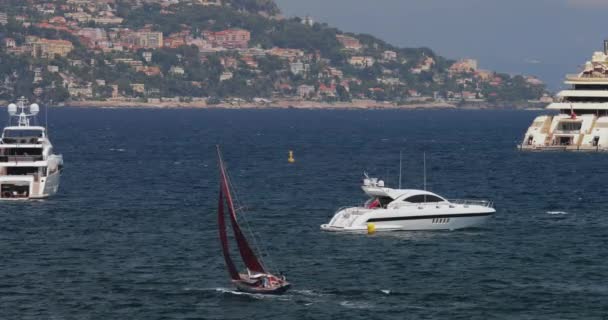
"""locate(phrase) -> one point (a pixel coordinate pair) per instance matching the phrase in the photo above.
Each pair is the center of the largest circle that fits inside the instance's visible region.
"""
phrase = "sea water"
(132, 234)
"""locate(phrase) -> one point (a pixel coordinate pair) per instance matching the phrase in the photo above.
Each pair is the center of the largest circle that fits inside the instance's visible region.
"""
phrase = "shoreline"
(289, 104)
(281, 104)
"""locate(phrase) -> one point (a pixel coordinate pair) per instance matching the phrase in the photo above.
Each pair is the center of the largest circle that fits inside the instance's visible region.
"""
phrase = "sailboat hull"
(246, 286)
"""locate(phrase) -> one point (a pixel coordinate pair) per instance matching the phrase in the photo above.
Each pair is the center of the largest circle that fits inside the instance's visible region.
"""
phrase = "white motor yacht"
(408, 209)
(29, 169)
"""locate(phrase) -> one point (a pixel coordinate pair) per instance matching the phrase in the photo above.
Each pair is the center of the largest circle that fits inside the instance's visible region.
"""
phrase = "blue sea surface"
(132, 233)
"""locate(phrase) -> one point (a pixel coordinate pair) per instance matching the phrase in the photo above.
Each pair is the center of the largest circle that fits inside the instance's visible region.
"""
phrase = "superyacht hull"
(550, 148)
(51, 185)
(19, 188)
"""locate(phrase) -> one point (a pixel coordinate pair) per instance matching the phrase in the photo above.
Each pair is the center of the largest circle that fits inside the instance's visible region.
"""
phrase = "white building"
(306, 90)
(226, 76)
(308, 21)
(298, 67)
(177, 70)
(389, 55)
(147, 55)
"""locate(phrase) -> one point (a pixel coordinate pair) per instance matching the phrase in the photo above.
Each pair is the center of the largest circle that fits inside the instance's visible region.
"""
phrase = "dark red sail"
(249, 258)
(234, 274)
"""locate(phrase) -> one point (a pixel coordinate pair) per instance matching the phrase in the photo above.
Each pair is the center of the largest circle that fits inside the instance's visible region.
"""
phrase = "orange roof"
(230, 31)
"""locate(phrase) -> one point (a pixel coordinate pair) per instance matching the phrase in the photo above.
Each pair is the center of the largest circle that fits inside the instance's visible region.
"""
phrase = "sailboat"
(257, 278)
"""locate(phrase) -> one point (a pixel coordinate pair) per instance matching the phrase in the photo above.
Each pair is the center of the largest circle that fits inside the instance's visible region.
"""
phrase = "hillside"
(217, 50)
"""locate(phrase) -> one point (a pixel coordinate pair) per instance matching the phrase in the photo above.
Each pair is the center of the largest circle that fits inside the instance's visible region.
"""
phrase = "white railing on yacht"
(361, 209)
(579, 77)
(567, 131)
(353, 209)
(483, 203)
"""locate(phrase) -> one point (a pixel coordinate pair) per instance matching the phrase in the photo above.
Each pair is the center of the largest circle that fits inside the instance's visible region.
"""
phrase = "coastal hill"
(224, 51)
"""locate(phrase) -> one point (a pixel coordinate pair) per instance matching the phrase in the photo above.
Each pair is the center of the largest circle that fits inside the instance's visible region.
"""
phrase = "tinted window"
(570, 126)
(421, 198)
(384, 201)
(22, 133)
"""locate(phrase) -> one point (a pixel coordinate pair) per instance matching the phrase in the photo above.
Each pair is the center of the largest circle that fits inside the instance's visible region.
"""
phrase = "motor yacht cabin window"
(423, 198)
(20, 133)
(22, 151)
(580, 112)
(21, 154)
(21, 171)
(563, 141)
(590, 87)
(584, 99)
(21, 136)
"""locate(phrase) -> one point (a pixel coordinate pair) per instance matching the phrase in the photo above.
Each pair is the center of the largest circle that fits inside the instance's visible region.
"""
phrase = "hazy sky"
(547, 38)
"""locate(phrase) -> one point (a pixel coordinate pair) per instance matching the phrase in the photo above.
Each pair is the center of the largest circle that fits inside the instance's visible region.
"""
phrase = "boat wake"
(302, 297)
(306, 297)
(557, 212)
(233, 292)
(356, 305)
(308, 293)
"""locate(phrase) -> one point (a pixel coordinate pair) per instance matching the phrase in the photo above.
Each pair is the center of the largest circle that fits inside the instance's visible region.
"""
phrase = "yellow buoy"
(371, 228)
(291, 159)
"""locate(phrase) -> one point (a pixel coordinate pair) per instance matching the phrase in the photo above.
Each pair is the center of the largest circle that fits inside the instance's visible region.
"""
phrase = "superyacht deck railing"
(578, 77)
(567, 131)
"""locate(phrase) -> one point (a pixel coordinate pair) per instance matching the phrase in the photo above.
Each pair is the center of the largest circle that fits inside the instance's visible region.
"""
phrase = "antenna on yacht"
(424, 169)
(424, 165)
(18, 111)
(400, 166)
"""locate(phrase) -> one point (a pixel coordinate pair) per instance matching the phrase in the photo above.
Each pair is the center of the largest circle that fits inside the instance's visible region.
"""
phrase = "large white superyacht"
(582, 120)
(28, 167)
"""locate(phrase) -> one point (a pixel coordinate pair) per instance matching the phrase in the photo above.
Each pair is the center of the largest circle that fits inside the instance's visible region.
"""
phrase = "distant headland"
(227, 53)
